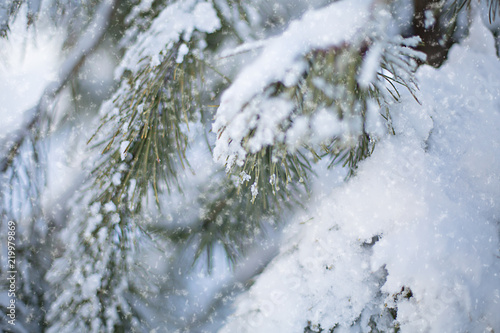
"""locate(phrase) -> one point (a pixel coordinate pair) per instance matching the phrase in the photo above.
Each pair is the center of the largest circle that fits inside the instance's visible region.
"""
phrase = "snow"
(123, 149)
(109, 207)
(325, 125)
(254, 190)
(142, 7)
(299, 130)
(244, 177)
(116, 179)
(90, 286)
(243, 48)
(280, 60)
(430, 20)
(251, 116)
(375, 127)
(178, 21)
(370, 66)
(205, 17)
(183, 50)
(430, 193)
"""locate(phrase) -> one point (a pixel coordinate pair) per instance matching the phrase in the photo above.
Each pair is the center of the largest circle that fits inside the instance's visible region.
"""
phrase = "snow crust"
(422, 214)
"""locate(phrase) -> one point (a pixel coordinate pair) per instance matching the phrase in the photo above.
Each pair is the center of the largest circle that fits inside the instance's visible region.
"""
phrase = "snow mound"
(416, 231)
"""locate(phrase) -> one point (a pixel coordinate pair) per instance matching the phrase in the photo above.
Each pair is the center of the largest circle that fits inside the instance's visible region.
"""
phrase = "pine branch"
(229, 219)
(493, 10)
(320, 103)
(24, 177)
(144, 127)
(100, 250)
(145, 137)
(85, 46)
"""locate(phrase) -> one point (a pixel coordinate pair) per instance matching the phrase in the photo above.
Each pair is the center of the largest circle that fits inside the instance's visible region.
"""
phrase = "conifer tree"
(269, 94)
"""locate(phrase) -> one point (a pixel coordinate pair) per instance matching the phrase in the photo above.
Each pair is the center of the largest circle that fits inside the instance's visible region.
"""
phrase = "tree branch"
(85, 46)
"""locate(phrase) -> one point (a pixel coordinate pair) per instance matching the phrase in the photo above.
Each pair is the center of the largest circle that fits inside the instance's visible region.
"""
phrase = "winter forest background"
(250, 166)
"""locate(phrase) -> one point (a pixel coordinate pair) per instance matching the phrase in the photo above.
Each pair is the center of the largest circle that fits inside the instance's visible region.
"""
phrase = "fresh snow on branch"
(281, 60)
(176, 22)
(254, 113)
(410, 243)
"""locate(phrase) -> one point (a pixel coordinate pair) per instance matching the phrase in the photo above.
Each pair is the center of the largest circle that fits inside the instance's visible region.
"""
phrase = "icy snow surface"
(430, 192)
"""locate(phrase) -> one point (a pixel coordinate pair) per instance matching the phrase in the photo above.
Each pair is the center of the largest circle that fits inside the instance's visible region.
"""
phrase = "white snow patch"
(117, 178)
(325, 125)
(254, 189)
(370, 65)
(183, 50)
(28, 64)
(90, 286)
(123, 149)
(110, 207)
(429, 20)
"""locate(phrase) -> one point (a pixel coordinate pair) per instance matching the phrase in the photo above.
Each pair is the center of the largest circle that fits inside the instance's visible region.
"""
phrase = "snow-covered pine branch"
(22, 166)
(322, 84)
(96, 279)
(177, 22)
(145, 124)
(146, 127)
